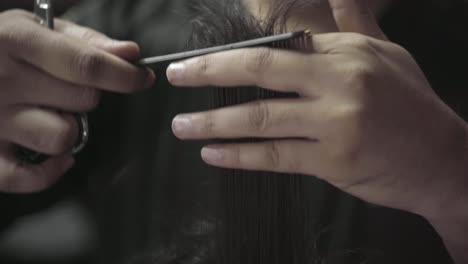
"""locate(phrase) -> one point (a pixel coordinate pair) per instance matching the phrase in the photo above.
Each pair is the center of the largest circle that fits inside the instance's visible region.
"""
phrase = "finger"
(288, 156)
(126, 50)
(337, 47)
(280, 70)
(41, 89)
(269, 118)
(20, 178)
(74, 60)
(41, 130)
(356, 16)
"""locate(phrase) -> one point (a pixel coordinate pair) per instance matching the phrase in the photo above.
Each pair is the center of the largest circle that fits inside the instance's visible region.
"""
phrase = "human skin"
(44, 77)
(367, 119)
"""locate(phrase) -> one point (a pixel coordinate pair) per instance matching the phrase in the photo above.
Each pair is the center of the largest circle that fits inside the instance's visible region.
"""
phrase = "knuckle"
(90, 65)
(202, 66)
(208, 124)
(398, 49)
(258, 60)
(360, 74)
(273, 156)
(86, 33)
(348, 116)
(16, 13)
(259, 116)
(360, 42)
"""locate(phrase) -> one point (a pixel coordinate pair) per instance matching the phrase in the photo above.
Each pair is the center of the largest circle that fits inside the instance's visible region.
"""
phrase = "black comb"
(265, 41)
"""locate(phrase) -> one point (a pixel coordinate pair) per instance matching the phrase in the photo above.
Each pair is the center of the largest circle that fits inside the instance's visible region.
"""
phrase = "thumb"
(126, 50)
(356, 16)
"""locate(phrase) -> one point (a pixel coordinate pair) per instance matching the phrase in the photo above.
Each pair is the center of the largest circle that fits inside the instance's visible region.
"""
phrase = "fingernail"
(117, 42)
(212, 155)
(112, 43)
(182, 126)
(150, 79)
(175, 72)
(128, 44)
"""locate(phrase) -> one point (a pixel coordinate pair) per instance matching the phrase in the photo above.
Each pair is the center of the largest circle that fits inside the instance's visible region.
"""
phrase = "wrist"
(446, 196)
(447, 206)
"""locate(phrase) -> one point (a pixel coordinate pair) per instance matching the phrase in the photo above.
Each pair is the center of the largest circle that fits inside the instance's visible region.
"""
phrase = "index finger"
(74, 60)
(126, 50)
(275, 69)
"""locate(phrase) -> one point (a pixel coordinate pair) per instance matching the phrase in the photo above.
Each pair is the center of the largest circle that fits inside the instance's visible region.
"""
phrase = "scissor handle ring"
(83, 138)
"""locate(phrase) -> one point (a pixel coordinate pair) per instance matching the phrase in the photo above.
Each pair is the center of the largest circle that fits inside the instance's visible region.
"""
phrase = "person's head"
(314, 14)
(269, 16)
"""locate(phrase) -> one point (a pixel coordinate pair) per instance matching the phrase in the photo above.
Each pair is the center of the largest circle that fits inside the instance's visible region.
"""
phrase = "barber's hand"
(366, 120)
(44, 77)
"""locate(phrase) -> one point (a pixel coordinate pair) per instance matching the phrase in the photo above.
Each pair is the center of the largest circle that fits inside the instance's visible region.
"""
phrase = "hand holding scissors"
(44, 12)
(46, 77)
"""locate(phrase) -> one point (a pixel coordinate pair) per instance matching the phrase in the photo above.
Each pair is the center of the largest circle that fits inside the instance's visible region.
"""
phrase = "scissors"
(44, 12)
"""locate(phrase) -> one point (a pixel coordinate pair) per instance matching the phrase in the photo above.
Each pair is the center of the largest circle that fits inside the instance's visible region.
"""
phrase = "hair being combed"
(246, 217)
(254, 217)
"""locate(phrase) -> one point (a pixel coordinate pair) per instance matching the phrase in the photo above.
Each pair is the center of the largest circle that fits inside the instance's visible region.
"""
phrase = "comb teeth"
(301, 42)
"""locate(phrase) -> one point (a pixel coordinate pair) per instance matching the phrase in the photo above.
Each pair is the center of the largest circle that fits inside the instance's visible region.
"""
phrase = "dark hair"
(263, 217)
(245, 217)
